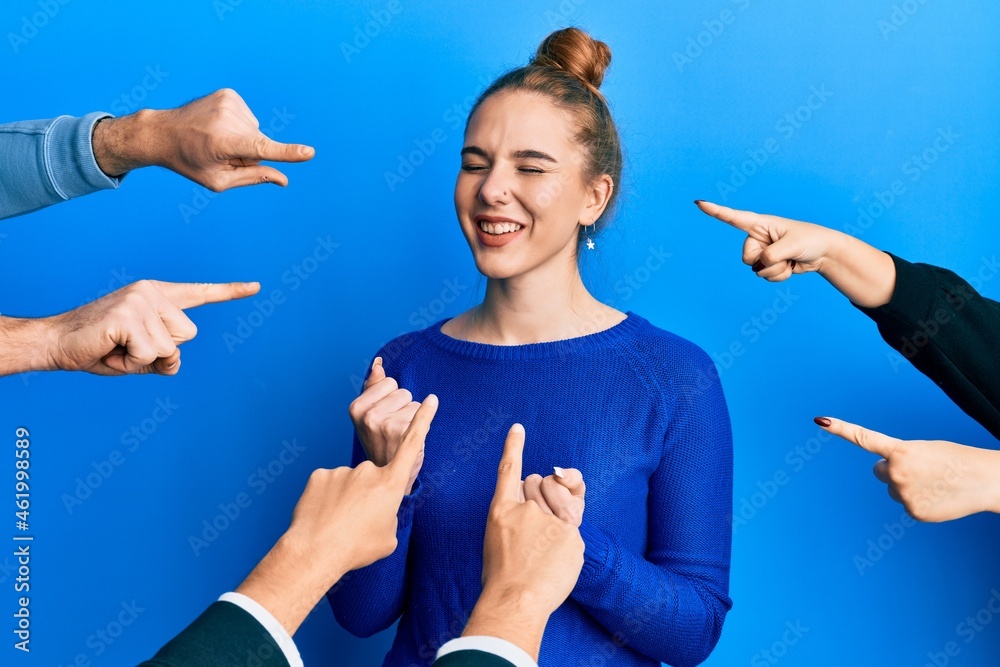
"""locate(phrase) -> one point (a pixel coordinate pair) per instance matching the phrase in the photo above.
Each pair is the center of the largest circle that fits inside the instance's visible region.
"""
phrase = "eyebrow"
(519, 155)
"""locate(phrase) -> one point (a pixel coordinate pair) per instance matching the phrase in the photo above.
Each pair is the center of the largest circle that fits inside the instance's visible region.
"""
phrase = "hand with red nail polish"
(777, 247)
(935, 480)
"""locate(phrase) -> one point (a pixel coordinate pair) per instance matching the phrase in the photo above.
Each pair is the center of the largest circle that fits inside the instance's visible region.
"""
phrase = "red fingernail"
(823, 421)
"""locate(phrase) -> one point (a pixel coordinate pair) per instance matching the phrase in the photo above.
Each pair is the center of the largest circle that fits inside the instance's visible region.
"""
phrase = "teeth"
(499, 227)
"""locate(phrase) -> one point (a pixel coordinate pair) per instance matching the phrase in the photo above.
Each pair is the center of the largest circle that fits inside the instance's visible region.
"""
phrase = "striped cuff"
(69, 159)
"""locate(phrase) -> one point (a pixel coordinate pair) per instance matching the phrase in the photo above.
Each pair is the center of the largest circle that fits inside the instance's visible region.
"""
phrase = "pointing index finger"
(872, 441)
(190, 295)
(413, 440)
(509, 474)
(279, 152)
(742, 220)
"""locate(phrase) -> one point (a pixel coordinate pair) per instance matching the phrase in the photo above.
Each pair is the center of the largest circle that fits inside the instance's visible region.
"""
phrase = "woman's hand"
(778, 247)
(381, 415)
(561, 494)
(935, 480)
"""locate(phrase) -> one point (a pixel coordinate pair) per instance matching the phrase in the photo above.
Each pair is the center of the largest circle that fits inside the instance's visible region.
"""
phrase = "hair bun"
(576, 52)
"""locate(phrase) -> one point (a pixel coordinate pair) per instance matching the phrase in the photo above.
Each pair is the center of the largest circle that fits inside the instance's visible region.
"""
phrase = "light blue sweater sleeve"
(44, 162)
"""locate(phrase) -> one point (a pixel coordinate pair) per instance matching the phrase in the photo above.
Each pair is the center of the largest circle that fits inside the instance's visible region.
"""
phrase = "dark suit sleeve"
(470, 658)
(949, 332)
(224, 634)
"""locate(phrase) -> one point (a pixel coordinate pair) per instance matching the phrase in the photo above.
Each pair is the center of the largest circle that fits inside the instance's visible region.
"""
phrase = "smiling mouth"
(499, 228)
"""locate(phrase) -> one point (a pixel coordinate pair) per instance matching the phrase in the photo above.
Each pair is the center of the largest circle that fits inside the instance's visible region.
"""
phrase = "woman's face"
(521, 194)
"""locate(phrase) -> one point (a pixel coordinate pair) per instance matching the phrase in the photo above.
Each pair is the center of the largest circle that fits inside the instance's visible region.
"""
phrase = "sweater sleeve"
(949, 332)
(670, 602)
(44, 162)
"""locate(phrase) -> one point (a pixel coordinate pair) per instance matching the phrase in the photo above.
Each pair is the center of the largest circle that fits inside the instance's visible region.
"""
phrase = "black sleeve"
(224, 634)
(471, 658)
(949, 332)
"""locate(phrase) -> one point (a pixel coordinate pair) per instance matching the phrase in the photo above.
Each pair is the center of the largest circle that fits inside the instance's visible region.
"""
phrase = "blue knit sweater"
(640, 412)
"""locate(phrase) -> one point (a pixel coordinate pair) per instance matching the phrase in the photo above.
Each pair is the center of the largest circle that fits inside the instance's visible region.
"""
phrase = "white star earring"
(590, 241)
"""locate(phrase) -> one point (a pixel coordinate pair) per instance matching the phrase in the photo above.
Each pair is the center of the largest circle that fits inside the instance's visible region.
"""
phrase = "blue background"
(686, 124)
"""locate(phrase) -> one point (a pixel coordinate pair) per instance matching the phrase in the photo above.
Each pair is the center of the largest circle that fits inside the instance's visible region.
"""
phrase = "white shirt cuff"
(270, 623)
(499, 647)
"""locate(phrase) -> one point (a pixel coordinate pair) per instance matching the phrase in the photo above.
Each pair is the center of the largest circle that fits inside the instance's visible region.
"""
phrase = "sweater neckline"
(597, 340)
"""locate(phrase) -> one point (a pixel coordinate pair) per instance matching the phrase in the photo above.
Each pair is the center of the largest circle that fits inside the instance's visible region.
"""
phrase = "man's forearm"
(865, 275)
(289, 581)
(119, 143)
(26, 345)
(509, 615)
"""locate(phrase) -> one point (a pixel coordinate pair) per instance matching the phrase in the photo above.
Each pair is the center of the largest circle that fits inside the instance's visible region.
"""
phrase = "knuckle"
(260, 144)
(214, 183)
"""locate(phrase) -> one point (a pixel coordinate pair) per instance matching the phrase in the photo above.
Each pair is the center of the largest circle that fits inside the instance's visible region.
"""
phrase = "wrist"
(28, 345)
(993, 481)
(316, 568)
(865, 275)
(121, 144)
(289, 581)
(512, 614)
(835, 246)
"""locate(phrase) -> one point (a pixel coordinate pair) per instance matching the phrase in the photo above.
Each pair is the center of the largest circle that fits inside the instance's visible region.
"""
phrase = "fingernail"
(559, 472)
(699, 201)
(792, 263)
(305, 150)
(758, 266)
(823, 421)
(377, 362)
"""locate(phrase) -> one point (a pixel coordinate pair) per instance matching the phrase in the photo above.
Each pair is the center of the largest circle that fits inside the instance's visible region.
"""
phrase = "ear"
(598, 196)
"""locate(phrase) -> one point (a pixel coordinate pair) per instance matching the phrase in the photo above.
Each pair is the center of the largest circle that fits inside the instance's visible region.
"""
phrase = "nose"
(495, 189)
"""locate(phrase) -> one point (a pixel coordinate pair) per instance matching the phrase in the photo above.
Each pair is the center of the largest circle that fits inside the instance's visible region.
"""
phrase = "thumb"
(256, 175)
(783, 250)
(279, 152)
(572, 479)
(872, 441)
(377, 374)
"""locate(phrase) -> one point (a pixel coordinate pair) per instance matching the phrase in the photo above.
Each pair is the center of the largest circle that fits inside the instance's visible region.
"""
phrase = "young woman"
(638, 411)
